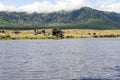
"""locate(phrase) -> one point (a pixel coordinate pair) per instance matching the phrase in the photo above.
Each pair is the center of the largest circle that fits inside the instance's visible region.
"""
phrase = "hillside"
(84, 18)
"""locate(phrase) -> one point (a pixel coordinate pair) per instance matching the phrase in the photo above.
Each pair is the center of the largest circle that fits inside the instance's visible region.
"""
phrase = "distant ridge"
(83, 18)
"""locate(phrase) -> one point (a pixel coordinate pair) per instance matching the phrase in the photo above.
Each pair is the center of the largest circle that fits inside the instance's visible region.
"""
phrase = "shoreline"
(68, 34)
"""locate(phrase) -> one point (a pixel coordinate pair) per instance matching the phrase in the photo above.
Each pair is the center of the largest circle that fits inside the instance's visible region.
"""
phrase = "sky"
(41, 6)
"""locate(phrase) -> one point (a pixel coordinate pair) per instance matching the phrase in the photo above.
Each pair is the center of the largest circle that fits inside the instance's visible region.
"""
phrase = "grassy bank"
(69, 33)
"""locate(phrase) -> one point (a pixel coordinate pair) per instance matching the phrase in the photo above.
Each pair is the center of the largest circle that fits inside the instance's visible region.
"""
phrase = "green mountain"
(83, 18)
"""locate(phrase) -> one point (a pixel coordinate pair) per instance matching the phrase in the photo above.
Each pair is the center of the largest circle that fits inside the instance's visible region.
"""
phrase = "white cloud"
(111, 7)
(48, 6)
(7, 8)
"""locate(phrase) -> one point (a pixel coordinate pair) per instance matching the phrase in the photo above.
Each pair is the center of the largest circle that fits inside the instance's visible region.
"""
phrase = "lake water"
(72, 59)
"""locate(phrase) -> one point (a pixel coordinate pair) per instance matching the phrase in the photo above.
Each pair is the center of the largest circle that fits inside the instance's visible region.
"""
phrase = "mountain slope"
(84, 18)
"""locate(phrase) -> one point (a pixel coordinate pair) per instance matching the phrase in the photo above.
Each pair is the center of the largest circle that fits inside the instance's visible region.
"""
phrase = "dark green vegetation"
(58, 33)
(84, 18)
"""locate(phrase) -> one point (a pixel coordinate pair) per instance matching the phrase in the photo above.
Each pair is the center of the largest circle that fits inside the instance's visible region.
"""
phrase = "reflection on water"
(74, 59)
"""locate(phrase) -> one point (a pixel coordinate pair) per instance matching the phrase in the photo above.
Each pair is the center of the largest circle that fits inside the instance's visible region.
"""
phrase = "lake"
(67, 59)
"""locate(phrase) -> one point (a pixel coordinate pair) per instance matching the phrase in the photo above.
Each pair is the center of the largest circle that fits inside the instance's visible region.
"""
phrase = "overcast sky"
(57, 5)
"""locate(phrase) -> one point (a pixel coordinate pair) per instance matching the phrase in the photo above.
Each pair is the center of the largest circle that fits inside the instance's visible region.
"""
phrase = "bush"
(58, 33)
